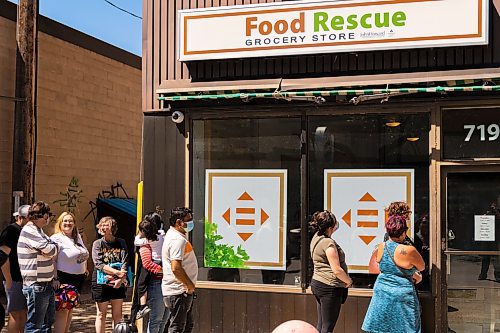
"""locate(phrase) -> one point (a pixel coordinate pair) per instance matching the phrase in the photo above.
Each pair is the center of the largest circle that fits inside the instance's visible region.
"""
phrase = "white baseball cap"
(22, 211)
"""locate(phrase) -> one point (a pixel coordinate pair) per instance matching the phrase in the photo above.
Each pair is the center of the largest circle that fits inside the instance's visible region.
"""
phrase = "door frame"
(445, 169)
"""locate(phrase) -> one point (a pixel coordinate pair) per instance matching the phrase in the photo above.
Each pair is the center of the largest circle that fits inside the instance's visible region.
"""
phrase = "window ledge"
(355, 292)
(280, 289)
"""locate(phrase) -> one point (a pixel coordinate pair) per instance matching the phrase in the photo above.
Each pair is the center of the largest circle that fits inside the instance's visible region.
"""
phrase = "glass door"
(472, 215)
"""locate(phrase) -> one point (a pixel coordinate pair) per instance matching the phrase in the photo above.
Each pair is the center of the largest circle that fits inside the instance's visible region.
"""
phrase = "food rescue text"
(327, 27)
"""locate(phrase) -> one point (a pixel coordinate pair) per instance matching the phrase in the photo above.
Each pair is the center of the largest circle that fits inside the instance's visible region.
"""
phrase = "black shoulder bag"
(410, 278)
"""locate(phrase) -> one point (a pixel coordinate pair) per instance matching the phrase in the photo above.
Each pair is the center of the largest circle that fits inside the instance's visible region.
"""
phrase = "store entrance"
(472, 253)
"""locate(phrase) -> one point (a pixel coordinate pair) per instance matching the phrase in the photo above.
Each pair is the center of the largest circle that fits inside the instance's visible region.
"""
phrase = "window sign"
(246, 219)
(358, 198)
(484, 228)
(471, 133)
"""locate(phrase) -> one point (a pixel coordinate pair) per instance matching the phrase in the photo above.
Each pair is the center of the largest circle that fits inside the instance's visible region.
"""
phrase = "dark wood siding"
(227, 311)
(164, 164)
(160, 64)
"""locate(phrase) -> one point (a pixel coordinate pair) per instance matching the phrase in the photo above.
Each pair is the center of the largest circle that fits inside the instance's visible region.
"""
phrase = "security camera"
(177, 117)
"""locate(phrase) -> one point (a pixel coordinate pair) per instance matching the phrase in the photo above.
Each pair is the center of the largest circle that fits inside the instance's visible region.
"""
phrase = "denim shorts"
(15, 298)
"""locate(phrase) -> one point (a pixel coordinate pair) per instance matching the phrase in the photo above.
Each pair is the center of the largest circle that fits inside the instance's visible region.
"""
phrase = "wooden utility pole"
(24, 149)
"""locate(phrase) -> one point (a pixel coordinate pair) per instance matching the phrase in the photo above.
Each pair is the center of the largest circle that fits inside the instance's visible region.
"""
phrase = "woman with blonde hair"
(71, 265)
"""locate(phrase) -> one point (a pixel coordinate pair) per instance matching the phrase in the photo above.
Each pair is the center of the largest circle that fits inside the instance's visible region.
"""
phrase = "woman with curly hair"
(330, 278)
(394, 306)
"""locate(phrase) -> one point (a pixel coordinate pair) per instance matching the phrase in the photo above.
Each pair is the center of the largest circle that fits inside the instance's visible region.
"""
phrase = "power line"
(123, 10)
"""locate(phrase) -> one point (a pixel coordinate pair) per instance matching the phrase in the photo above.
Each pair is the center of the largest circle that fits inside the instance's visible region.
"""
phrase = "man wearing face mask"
(180, 271)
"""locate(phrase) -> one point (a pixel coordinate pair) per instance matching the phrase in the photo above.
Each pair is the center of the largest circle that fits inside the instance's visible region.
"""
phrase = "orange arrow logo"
(360, 215)
(245, 216)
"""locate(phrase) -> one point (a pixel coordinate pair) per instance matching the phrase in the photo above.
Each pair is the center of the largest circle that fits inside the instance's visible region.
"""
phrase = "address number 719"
(492, 130)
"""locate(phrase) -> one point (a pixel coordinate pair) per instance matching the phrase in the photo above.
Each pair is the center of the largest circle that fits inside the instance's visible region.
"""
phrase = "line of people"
(44, 275)
(394, 306)
(39, 265)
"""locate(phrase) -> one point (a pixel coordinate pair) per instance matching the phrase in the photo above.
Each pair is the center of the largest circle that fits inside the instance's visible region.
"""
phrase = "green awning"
(327, 93)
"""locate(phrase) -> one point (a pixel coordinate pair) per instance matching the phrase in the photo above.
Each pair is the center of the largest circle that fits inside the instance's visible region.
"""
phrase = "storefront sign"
(484, 228)
(358, 198)
(246, 219)
(311, 27)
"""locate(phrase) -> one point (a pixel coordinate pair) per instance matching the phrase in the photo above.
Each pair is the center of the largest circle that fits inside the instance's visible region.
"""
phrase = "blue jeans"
(41, 307)
(158, 315)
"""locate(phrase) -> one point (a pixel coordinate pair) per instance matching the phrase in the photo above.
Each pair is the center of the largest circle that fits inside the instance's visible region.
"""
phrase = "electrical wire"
(123, 10)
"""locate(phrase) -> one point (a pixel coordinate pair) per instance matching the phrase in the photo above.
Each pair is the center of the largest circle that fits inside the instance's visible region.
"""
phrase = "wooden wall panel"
(228, 311)
(164, 157)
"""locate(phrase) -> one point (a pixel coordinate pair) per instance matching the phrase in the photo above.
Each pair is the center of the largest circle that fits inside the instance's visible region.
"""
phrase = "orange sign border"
(330, 175)
(281, 177)
(375, 41)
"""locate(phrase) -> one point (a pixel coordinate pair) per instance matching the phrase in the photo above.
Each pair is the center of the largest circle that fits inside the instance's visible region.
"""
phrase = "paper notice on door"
(484, 228)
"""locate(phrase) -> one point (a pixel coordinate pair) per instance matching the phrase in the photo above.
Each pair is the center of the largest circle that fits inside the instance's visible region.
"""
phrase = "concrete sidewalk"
(84, 316)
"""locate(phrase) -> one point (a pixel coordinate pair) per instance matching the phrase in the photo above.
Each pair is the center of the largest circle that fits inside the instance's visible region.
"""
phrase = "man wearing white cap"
(16, 302)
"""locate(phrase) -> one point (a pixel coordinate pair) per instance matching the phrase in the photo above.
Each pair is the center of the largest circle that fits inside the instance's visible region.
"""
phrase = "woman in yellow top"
(330, 278)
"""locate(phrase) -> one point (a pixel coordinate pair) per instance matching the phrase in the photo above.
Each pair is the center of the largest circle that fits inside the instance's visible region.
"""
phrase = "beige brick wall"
(89, 123)
(7, 88)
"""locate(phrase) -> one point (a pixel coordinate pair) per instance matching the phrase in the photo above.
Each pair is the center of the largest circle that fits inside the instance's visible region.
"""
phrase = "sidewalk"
(84, 316)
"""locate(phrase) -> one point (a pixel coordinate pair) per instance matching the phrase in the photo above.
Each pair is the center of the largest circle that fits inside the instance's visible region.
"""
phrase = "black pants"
(181, 315)
(328, 303)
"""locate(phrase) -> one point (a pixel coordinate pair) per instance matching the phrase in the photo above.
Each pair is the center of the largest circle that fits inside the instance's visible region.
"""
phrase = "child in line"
(150, 234)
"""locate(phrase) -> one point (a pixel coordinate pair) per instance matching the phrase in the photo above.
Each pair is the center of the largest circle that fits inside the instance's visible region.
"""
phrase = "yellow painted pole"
(140, 187)
(139, 205)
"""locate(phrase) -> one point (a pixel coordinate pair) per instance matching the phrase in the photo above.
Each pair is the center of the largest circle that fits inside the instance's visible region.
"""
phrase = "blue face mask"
(189, 226)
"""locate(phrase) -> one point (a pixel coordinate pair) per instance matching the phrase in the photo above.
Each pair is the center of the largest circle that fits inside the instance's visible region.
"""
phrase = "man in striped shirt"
(36, 260)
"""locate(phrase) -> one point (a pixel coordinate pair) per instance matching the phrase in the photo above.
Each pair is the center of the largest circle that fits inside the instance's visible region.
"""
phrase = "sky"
(100, 20)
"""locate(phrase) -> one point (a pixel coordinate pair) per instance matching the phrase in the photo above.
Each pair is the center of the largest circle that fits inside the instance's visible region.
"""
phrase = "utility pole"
(24, 150)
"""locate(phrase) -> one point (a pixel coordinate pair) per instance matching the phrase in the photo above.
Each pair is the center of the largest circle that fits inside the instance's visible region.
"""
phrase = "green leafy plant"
(219, 254)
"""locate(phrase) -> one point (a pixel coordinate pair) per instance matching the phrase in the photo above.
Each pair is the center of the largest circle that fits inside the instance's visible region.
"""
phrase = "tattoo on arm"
(403, 252)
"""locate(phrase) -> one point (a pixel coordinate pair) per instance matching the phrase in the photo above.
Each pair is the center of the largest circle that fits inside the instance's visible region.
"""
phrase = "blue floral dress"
(394, 307)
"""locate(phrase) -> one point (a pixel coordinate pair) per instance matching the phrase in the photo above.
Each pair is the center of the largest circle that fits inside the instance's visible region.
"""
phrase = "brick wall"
(89, 123)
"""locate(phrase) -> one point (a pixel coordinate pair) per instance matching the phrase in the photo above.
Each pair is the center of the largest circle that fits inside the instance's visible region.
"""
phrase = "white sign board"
(249, 209)
(312, 27)
(358, 198)
(484, 228)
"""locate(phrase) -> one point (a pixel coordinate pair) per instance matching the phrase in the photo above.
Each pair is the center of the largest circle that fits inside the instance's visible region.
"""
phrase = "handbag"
(410, 278)
(125, 326)
(101, 275)
(66, 297)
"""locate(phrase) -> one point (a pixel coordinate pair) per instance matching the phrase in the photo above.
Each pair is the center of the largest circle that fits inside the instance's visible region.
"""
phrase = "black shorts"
(73, 279)
(104, 293)
(143, 281)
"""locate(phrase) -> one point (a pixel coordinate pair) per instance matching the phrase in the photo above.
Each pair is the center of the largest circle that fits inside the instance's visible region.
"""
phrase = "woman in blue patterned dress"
(395, 307)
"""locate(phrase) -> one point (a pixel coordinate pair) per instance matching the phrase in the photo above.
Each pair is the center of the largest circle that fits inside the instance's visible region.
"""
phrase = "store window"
(233, 165)
(243, 147)
(366, 151)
